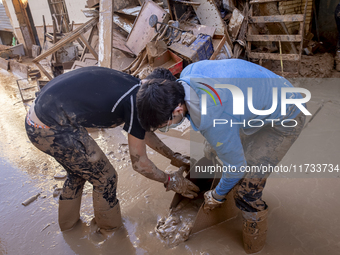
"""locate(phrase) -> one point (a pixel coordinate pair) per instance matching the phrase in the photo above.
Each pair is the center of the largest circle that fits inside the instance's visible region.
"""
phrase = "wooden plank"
(271, 38)
(71, 37)
(85, 50)
(4, 64)
(186, 2)
(118, 42)
(218, 48)
(141, 32)
(277, 18)
(123, 22)
(132, 11)
(274, 56)
(44, 71)
(209, 15)
(263, 1)
(105, 32)
(18, 69)
(93, 52)
(302, 31)
(79, 64)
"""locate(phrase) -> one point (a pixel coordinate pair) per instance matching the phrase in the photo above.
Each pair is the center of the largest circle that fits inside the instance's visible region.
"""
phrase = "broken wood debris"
(123, 33)
(276, 19)
(30, 200)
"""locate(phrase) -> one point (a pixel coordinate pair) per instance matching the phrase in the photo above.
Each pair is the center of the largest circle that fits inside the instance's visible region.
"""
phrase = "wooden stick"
(71, 37)
(43, 70)
(93, 52)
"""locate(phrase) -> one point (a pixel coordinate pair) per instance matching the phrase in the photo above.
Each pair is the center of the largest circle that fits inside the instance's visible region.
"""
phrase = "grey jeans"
(267, 147)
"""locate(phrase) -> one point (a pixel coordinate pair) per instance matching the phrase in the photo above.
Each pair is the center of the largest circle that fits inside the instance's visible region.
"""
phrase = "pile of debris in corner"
(150, 34)
(174, 33)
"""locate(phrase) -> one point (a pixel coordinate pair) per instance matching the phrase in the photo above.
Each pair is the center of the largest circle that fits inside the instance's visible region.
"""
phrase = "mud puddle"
(303, 216)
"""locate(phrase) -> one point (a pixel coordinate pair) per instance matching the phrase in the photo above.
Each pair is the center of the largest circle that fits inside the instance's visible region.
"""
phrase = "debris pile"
(174, 33)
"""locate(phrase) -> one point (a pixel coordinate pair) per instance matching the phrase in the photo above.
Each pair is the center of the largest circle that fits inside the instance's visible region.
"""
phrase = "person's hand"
(181, 185)
(210, 202)
(209, 151)
(179, 160)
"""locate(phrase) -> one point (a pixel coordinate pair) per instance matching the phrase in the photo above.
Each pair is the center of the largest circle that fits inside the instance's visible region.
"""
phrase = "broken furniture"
(26, 93)
(170, 61)
(142, 32)
(275, 38)
(77, 33)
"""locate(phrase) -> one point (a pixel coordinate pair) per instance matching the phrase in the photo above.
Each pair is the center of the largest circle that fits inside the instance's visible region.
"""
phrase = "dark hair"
(156, 100)
(161, 73)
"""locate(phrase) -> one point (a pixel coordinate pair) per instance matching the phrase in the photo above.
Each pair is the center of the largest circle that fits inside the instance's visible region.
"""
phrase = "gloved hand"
(179, 160)
(209, 151)
(210, 202)
(181, 185)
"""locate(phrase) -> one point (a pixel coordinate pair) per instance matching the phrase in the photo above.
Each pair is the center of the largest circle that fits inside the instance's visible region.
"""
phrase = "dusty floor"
(303, 216)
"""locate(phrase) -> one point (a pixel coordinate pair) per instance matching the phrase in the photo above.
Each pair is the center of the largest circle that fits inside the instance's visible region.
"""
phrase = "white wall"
(40, 7)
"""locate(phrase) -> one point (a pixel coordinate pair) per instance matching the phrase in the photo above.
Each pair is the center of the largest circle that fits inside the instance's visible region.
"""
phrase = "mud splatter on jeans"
(267, 147)
(81, 157)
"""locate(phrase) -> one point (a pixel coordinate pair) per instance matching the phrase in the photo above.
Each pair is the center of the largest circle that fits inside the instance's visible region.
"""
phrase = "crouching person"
(96, 97)
(164, 104)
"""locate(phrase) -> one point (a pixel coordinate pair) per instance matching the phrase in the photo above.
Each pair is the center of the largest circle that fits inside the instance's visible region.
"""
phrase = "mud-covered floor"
(303, 216)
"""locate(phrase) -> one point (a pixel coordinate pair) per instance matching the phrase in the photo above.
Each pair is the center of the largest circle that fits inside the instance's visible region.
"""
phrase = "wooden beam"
(69, 38)
(218, 48)
(302, 31)
(88, 46)
(44, 71)
(274, 56)
(271, 38)
(85, 50)
(263, 1)
(186, 2)
(105, 32)
(277, 18)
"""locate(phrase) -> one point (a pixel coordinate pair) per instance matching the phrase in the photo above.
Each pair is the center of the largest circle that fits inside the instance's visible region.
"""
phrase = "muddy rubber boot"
(337, 60)
(106, 218)
(68, 214)
(254, 230)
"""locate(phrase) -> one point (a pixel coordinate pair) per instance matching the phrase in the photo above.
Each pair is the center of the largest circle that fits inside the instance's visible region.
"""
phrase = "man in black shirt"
(103, 98)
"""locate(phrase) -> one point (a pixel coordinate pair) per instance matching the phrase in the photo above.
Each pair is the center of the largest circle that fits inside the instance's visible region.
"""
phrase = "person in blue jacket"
(212, 94)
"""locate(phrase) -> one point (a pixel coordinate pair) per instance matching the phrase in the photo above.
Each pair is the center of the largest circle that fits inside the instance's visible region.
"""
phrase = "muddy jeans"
(81, 157)
(267, 147)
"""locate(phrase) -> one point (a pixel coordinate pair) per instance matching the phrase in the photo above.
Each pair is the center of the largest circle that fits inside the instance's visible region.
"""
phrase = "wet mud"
(302, 217)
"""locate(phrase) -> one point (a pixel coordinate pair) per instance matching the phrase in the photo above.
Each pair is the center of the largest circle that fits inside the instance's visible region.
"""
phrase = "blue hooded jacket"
(224, 138)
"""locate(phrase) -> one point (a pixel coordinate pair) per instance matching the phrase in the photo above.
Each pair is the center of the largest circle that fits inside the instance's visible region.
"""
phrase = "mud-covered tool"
(205, 219)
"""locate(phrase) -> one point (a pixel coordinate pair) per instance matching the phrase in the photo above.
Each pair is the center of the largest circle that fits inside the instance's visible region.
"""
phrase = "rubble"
(171, 34)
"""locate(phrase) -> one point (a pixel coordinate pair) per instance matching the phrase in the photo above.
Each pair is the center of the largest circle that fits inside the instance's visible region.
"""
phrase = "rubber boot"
(254, 230)
(106, 218)
(68, 213)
